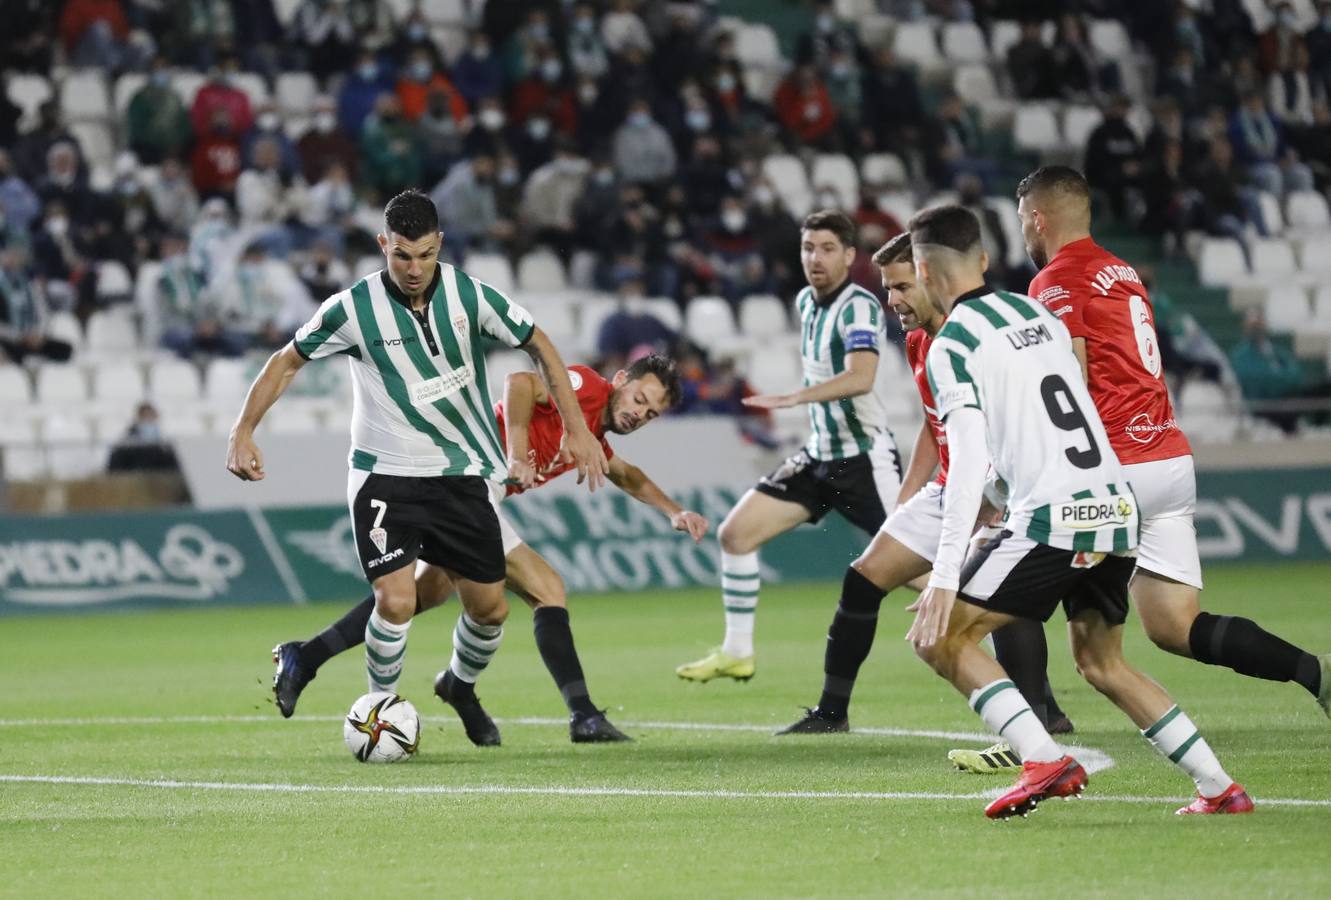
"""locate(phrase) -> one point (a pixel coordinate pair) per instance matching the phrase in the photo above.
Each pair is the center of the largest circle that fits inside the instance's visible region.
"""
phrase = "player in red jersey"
(1106, 309)
(533, 432)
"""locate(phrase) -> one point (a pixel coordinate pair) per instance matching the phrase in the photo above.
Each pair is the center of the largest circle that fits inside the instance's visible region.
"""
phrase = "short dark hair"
(1057, 179)
(666, 372)
(411, 214)
(833, 220)
(894, 251)
(949, 226)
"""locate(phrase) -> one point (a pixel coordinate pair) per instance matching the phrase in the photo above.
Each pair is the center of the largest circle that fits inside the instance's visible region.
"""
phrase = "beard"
(1037, 255)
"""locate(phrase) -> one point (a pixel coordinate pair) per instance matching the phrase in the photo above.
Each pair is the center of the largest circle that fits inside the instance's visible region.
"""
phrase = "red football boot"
(1234, 800)
(1039, 780)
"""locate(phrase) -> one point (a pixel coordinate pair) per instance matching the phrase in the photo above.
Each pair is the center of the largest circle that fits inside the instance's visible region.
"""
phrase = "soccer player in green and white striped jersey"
(1009, 390)
(426, 461)
(850, 462)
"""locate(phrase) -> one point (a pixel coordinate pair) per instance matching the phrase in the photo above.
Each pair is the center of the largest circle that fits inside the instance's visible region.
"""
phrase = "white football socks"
(1179, 741)
(1008, 715)
(473, 647)
(385, 649)
(739, 593)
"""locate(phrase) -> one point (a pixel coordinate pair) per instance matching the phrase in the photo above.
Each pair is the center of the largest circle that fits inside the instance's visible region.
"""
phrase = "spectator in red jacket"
(805, 109)
(545, 93)
(92, 29)
(221, 93)
(421, 79)
(216, 159)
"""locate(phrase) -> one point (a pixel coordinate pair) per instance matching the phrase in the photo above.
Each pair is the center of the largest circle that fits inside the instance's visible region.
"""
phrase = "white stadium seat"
(184, 423)
(119, 381)
(837, 171)
(1287, 308)
(591, 314)
(15, 390)
(29, 92)
(448, 12)
(1273, 258)
(174, 380)
(114, 283)
(1110, 40)
(1272, 216)
(883, 169)
(16, 432)
(899, 204)
(1321, 309)
(1035, 129)
(99, 148)
(963, 42)
(1220, 263)
(64, 326)
(83, 95)
(127, 86)
(294, 419)
(61, 385)
(975, 84)
(111, 332)
(762, 316)
(556, 320)
(296, 92)
(1307, 211)
(1078, 123)
(786, 173)
(756, 45)
(1315, 254)
(664, 309)
(227, 380)
(774, 371)
(254, 87)
(502, 363)
(187, 84)
(491, 268)
(914, 43)
(1003, 33)
(709, 322)
(541, 271)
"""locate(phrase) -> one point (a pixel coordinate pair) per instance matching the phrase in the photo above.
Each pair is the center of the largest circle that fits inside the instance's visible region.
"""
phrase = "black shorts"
(1015, 575)
(447, 521)
(853, 486)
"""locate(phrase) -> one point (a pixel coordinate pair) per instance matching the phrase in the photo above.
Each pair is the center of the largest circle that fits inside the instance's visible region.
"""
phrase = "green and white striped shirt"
(1012, 359)
(852, 321)
(421, 399)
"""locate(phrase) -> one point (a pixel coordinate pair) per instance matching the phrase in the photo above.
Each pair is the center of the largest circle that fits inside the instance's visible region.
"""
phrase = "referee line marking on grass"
(566, 791)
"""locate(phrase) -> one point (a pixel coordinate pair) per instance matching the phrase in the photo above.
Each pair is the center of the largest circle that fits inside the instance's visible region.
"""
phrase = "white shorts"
(1166, 491)
(917, 524)
(512, 540)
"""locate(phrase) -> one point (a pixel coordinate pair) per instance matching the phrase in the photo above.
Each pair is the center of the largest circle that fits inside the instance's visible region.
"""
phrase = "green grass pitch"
(206, 791)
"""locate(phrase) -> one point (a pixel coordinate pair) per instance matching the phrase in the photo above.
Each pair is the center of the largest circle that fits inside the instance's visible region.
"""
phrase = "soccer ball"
(382, 728)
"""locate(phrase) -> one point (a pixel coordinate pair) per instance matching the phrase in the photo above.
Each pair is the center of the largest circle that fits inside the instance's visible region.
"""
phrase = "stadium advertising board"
(598, 542)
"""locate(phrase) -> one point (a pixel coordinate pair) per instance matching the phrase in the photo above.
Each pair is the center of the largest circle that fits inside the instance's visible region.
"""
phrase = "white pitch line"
(568, 791)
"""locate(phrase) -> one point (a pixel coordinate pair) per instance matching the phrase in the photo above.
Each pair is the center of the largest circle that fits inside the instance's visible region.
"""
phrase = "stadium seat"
(899, 204)
(883, 169)
(756, 45)
(1321, 309)
(1110, 40)
(1287, 308)
(963, 42)
(99, 150)
(448, 12)
(762, 316)
(1220, 263)
(114, 283)
(60, 385)
(1307, 211)
(17, 432)
(1272, 217)
(111, 332)
(296, 92)
(118, 381)
(174, 380)
(786, 173)
(591, 314)
(491, 268)
(110, 422)
(1035, 129)
(1315, 254)
(1205, 414)
(1078, 123)
(663, 309)
(852, 10)
(709, 322)
(761, 82)
(914, 43)
(773, 372)
(179, 423)
(127, 85)
(26, 463)
(556, 320)
(83, 95)
(838, 171)
(254, 87)
(975, 84)
(29, 92)
(1006, 208)
(1003, 33)
(541, 271)
(1273, 258)
(15, 389)
(295, 418)
(64, 326)
(187, 84)
(502, 363)
(451, 40)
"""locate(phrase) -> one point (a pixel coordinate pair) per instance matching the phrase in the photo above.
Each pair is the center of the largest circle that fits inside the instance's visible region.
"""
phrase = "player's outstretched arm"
(923, 460)
(580, 444)
(634, 482)
(243, 457)
(522, 391)
(861, 368)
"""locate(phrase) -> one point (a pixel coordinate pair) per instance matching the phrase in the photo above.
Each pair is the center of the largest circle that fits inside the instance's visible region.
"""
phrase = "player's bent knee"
(733, 538)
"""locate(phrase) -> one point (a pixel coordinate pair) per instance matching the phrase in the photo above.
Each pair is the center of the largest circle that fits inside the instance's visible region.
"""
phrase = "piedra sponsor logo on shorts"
(1094, 512)
(190, 565)
(1142, 430)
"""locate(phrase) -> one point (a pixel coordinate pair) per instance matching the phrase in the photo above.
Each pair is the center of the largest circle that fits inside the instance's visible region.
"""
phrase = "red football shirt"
(918, 343)
(1100, 298)
(546, 430)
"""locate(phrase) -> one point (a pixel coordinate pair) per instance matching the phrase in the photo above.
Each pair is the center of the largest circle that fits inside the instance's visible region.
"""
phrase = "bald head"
(1054, 203)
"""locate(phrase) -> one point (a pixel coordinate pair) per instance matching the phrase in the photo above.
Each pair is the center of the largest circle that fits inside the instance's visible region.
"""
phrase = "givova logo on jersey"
(1094, 512)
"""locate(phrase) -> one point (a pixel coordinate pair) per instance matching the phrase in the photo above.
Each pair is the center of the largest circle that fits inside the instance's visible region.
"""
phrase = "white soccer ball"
(382, 728)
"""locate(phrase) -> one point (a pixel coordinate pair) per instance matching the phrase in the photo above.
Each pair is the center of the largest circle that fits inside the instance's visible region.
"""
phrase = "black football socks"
(849, 640)
(345, 633)
(1021, 650)
(554, 639)
(1244, 646)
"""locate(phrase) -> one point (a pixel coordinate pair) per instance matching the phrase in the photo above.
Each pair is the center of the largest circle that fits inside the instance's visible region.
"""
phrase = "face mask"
(149, 432)
(325, 122)
(551, 69)
(1286, 20)
(725, 83)
(764, 196)
(161, 79)
(127, 188)
(416, 32)
(587, 94)
(813, 110)
(826, 23)
(604, 177)
(568, 166)
(673, 229)
(367, 71)
(698, 119)
(267, 122)
(58, 226)
(420, 70)
(481, 51)
(639, 119)
(840, 71)
(538, 32)
(64, 179)
(584, 25)
(828, 201)
(491, 119)
(508, 177)
(734, 220)
(539, 128)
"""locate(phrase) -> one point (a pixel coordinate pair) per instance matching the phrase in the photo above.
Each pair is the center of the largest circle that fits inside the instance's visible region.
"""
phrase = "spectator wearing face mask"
(1277, 45)
(361, 89)
(643, 151)
(94, 32)
(419, 80)
(733, 252)
(216, 161)
(330, 205)
(173, 196)
(268, 127)
(706, 176)
(622, 29)
(441, 136)
(477, 73)
(630, 331)
(413, 37)
(24, 312)
(597, 119)
(143, 448)
(830, 36)
(389, 149)
(532, 142)
(544, 93)
(468, 212)
(844, 89)
(157, 124)
(522, 51)
(179, 313)
(325, 144)
(804, 108)
(1318, 41)
(597, 206)
(29, 154)
(550, 195)
(777, 232)
(220, 93)
(263, 299)
(692, 117)
(326, 34)
(65, 181)
(19, 204)
(585, 48)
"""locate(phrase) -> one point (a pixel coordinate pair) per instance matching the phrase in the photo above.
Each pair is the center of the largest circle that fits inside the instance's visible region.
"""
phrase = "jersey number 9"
(1056, 395)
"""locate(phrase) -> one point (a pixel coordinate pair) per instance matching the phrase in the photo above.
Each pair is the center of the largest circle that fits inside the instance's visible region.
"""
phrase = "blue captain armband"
(861, 339)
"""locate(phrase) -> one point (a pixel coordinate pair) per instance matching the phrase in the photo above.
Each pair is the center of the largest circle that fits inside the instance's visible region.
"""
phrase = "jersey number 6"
(1056, 395)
